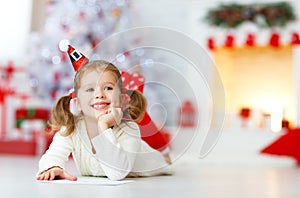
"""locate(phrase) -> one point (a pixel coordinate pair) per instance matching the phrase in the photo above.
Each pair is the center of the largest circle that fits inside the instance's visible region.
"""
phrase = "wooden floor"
(227, 172)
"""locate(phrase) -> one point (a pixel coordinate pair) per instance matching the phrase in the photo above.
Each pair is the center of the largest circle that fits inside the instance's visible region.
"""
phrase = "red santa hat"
(76, 57)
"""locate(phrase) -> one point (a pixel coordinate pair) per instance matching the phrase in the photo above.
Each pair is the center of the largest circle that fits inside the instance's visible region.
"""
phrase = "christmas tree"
(84, 24)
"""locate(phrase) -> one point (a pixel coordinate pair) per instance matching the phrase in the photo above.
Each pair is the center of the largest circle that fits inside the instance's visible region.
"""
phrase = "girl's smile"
(100, 105)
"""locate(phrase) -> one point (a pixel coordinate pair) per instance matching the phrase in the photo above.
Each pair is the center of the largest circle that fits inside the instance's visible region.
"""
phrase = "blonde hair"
(62, 116)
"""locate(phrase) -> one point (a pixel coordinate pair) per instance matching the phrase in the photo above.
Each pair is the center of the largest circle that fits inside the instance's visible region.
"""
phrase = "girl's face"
(98, 93)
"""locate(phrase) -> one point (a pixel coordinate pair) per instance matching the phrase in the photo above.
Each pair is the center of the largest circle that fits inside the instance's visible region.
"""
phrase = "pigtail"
(62, 116)
(137, 105)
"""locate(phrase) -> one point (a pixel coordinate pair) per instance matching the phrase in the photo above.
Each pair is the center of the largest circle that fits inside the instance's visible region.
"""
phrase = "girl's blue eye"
(106, 88)
(90, 90)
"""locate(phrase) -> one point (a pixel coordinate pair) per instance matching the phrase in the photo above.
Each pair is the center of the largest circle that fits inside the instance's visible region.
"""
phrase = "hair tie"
(73, 108)
(71, 93)
(126, 96)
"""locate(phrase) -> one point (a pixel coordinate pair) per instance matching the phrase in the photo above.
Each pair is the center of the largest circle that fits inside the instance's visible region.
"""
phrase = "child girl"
(102, 136)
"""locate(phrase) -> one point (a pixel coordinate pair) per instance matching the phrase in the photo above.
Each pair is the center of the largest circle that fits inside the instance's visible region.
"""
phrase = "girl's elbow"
(116, 176)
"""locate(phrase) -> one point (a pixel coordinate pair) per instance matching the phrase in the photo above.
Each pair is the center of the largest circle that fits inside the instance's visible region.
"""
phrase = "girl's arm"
(117, 156)
(57, 155)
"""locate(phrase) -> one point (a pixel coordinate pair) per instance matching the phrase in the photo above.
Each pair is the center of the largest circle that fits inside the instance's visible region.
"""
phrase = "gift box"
(18, 147)
(28, 138)
(156, 138)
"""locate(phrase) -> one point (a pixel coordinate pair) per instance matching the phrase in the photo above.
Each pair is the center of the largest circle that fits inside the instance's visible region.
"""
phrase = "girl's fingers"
(69, 177)
(46, 175)
(52, 175)
(40, 177)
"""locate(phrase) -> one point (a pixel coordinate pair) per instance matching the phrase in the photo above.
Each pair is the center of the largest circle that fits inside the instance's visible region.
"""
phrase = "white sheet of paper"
(89, 181)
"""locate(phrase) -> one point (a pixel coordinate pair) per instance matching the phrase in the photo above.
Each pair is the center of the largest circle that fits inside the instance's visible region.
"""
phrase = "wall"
(187, 16)
(184, 16)
(15, 27)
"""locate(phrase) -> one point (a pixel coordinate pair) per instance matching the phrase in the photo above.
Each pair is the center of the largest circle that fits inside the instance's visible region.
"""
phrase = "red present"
(187, 115)
(18, 147)
(133, 81)
(150, 133)
(30, 114)
(245, 113)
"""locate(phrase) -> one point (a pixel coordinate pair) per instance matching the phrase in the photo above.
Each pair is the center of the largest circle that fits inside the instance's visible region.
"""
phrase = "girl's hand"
(55, 173)
(113, 117)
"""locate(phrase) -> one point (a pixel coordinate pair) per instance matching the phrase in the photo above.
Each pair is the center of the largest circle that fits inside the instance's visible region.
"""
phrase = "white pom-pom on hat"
(64, 45)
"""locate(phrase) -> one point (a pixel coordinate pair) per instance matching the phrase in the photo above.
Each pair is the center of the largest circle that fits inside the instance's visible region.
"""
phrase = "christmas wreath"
(264, 15)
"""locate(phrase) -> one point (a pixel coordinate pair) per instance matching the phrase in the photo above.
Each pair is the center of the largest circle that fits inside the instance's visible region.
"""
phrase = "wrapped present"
(187, 114)
(133, 81)
(18, 147)
(23, 114)
(156, 138)
(30, 124)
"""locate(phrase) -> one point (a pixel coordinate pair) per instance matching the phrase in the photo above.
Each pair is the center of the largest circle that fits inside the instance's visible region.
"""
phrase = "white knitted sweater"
(120, 152)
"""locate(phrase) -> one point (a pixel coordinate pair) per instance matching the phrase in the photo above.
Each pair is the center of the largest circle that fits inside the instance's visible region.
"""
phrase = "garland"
(264, 15)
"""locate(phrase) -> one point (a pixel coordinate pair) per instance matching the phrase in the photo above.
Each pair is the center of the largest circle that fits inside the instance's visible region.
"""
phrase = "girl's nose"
(99, 93)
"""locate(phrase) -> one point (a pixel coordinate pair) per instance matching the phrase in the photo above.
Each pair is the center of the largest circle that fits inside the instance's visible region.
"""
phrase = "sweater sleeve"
(117, 155)
(57, 154)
